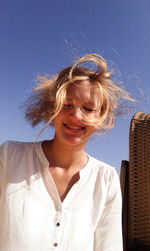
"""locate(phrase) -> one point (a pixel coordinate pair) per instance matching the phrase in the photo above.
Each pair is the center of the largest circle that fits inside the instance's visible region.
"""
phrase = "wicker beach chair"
(124, 181)
(135, 184)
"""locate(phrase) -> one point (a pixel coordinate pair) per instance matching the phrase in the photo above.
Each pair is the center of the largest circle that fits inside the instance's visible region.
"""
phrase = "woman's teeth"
(75, 127)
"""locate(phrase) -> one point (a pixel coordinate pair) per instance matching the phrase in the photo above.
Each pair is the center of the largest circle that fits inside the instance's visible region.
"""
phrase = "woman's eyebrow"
(89, 103)
(70, 99)
(85, 103)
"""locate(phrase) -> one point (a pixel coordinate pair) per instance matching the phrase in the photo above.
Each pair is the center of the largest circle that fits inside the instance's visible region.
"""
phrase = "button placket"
(57, 228)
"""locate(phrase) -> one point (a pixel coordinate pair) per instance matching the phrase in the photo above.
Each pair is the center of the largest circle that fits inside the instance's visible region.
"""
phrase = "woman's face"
(70, 127)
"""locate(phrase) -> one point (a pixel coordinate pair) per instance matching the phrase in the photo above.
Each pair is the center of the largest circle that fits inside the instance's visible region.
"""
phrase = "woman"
(54, 196)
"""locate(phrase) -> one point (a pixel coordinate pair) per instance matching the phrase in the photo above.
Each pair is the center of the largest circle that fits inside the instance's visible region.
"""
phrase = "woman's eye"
(87, 109)
(68, 105)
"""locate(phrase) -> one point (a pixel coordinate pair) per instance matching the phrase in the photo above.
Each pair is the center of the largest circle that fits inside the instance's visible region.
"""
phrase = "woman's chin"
(74, 140)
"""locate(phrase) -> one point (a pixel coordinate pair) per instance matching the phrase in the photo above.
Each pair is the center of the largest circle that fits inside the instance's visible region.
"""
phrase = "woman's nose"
(77, 113)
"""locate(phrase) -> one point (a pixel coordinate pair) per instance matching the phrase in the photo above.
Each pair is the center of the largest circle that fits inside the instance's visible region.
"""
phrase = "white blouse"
(32, 216)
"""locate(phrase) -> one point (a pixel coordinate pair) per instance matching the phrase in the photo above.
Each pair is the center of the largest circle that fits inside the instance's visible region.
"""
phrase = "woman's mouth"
(74, 127)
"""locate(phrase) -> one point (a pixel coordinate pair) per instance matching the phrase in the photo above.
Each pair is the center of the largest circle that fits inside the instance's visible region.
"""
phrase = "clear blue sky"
(42, 36)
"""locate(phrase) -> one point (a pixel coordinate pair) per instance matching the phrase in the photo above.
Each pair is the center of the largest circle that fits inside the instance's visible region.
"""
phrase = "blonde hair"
(50, 94)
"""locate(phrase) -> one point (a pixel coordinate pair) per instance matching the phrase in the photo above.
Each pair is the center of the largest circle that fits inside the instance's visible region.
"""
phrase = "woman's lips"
(74, 127)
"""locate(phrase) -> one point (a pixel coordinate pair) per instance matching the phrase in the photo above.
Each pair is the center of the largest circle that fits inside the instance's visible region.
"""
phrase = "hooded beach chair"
(135, 185)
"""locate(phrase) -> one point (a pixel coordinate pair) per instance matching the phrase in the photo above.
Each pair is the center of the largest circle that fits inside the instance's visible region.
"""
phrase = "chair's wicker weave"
(139, 179)
(124, 181)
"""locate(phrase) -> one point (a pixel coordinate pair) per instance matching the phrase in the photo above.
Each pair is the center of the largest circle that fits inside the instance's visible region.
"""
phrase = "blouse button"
(57, 224)
(55, 244)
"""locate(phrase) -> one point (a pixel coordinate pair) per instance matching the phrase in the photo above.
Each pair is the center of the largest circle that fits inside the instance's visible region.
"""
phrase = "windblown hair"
(50, 95)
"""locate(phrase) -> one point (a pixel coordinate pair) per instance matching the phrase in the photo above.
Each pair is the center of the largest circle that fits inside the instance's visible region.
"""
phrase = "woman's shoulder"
(13, 145)
(15, 148)
(103, 169)
(16, 144)
(16, 154)
(106, 176)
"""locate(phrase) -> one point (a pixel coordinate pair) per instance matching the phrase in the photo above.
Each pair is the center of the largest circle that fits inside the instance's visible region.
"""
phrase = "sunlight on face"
(83, 96)
(82, 99)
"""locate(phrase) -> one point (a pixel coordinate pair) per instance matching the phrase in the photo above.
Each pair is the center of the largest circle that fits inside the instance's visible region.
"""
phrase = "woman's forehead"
(83, 91)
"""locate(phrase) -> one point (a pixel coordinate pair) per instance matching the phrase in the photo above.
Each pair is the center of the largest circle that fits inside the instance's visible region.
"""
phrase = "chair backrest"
(124, 181)
(139, 181)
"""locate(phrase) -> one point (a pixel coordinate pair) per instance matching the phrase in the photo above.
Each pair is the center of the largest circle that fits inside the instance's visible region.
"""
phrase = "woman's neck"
(63, 155)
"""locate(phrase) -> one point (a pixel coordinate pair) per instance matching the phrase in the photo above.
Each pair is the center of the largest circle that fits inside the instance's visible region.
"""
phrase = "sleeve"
(3, 161)
(108, 234)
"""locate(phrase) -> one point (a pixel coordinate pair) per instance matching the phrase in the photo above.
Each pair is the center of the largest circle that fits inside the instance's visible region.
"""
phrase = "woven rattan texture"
(139, 178)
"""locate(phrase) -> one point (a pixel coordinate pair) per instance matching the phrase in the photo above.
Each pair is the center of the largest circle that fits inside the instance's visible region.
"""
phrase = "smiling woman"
(81, 100)
(53, 194)
(50, 94)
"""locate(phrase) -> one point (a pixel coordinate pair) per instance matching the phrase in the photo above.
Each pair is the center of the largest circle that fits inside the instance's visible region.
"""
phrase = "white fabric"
(89, 219)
